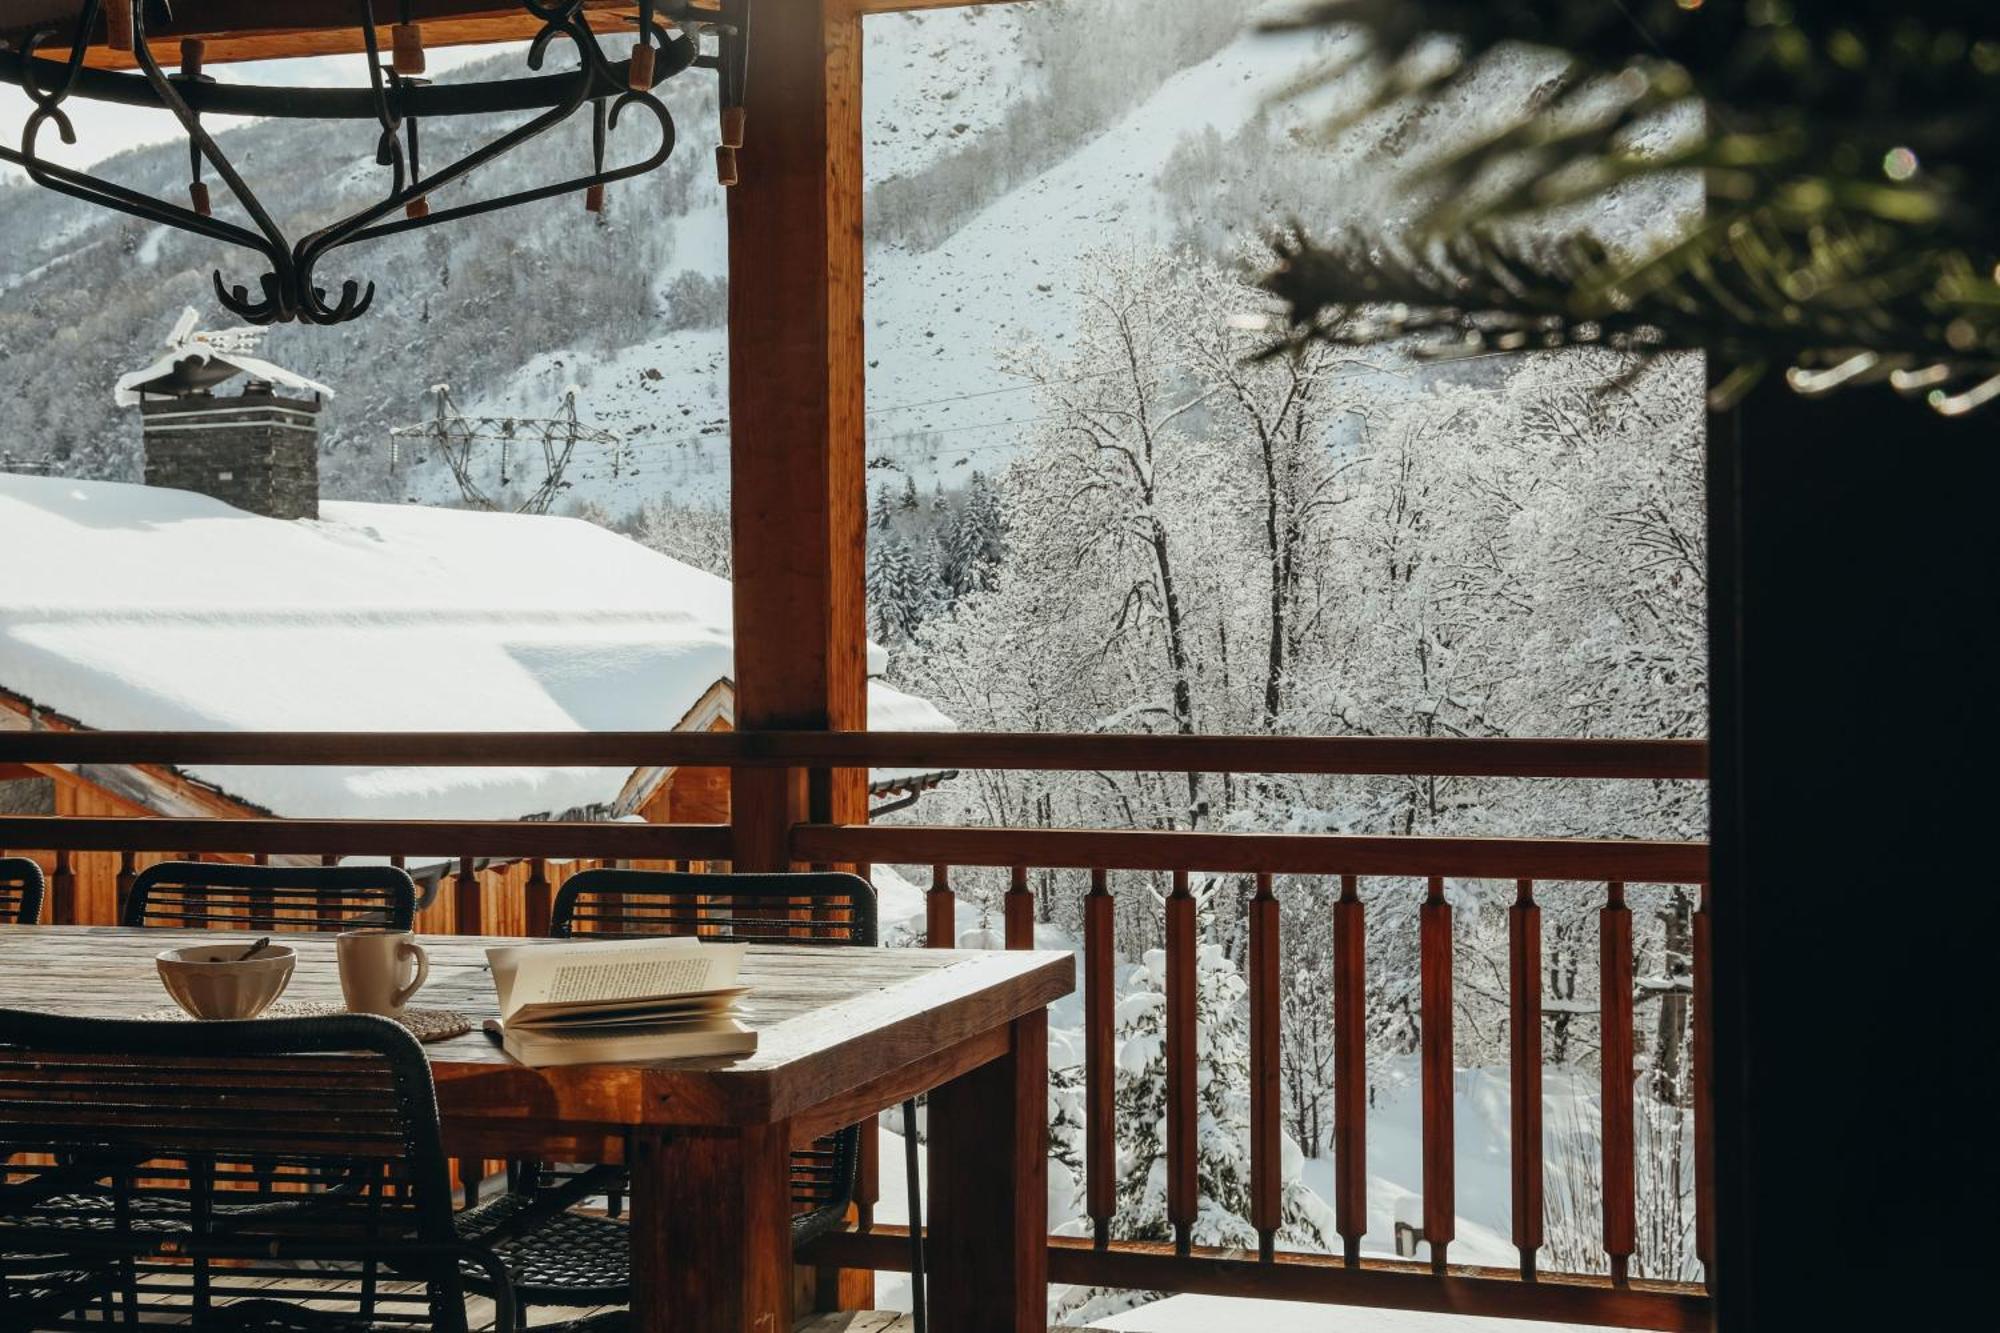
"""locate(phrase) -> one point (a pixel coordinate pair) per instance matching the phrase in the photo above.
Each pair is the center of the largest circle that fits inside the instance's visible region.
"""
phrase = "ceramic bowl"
(205, 979)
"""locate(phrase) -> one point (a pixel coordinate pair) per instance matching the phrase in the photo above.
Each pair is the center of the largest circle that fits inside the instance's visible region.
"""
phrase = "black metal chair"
(562, 1257)
(231, 896)
(275, 1174)
(21, 890)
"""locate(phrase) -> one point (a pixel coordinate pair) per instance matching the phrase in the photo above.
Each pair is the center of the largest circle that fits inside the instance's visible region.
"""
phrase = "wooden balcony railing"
(1530, 866)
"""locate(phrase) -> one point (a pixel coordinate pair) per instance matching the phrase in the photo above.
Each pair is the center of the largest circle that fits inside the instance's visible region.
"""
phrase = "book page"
(545, 979)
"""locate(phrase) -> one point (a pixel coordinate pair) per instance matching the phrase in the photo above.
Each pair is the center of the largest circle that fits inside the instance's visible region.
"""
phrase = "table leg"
(712, 1232)
(988, 1135)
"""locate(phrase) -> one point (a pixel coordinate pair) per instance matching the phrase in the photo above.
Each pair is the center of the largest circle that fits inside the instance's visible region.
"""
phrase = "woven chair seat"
(93, 1213)
(570, 1258)
(576, 1258)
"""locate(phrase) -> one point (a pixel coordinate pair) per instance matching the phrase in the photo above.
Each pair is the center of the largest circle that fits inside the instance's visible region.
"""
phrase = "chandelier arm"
(83, 185)
(607, 177)
(288, 290)
(109, 194)
(280, 285)
(389, 150)
(312, 249)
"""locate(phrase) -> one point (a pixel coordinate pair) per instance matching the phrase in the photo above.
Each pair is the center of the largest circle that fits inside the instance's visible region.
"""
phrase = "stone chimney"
(257, 450)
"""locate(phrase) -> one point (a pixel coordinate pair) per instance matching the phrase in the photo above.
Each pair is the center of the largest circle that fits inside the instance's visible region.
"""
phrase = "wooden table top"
(829, 1020)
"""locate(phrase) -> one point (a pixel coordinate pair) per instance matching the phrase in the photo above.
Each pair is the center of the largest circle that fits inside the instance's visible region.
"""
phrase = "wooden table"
(844, 1033)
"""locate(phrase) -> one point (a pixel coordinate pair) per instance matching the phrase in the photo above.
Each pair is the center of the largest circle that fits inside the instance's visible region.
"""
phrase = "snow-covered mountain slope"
(940, 320)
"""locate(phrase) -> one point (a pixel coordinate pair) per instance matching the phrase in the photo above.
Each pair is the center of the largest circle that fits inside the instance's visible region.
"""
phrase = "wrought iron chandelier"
(673, 36)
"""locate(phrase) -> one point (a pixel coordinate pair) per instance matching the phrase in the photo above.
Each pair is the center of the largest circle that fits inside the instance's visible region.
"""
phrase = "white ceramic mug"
(372, 963)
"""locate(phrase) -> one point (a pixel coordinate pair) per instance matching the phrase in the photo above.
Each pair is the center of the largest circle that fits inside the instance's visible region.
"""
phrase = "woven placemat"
(424, 1024)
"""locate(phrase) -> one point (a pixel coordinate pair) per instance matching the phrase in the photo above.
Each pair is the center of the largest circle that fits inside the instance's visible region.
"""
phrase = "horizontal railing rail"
(1627, 860)
(1526, 757)
(370, 837)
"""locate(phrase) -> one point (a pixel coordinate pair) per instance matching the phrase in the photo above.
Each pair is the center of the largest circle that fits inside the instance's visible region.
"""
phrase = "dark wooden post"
(797, 490)
(796, 430)
(1853, 556)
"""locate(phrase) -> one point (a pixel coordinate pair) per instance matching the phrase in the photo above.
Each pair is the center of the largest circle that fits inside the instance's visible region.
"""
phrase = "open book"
(620, 1000)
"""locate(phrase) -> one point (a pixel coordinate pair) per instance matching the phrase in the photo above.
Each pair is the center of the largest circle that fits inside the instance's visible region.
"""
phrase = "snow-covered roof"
(134, 607)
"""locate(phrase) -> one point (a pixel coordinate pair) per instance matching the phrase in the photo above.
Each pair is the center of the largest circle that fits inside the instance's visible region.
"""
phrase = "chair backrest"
(821, 907)
(21, 889)
(231, 896)
(216, 1161)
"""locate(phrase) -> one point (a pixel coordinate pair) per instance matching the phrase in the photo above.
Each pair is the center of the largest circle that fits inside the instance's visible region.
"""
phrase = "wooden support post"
(797, 442)
(796, 428)
(1852, 549)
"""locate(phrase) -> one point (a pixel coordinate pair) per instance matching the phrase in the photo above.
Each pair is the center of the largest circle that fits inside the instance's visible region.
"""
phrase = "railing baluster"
(1181, 1105)
(1100, 1021)
(1703, 1056)
(468, 912)
(1524, 1070)
(263, 902)
(1440, 1145)
(326, 903)
(538, 901)
(128, 874)
(62, 890)
(1266, 1210)
(1615, 1061)
(940, 911)
(1020, 917)
(1350, 1079)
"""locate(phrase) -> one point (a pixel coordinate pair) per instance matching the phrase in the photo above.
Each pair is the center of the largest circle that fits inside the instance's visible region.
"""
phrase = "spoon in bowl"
(252, 951)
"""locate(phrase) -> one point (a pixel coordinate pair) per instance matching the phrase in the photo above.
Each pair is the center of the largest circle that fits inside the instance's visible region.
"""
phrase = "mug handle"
(408, 949)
